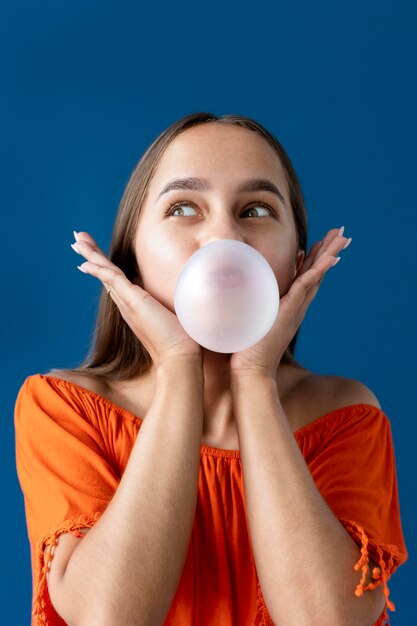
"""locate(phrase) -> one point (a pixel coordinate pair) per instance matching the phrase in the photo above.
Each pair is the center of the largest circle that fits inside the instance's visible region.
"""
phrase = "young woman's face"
(226, 157)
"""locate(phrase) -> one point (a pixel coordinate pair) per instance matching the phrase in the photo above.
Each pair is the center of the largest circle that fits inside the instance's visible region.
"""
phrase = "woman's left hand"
(265, 356)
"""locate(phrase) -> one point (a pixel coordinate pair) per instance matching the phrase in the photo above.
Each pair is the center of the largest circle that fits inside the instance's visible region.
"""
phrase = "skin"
(225, 155)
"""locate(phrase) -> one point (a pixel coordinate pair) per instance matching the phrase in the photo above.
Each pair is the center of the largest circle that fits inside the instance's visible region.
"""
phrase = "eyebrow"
(202, 184)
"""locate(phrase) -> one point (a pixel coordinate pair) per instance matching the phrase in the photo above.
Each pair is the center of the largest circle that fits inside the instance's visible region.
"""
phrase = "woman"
(258, 492)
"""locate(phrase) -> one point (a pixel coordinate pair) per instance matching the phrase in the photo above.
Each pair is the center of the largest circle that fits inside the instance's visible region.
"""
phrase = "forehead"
(222, 153)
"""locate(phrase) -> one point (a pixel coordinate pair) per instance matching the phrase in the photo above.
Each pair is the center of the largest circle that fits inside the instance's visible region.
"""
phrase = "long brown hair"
(116, 353)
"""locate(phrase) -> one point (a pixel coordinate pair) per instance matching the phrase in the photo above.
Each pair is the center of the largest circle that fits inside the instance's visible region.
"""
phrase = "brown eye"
(176, 206)
(257, 206)
(254, 205)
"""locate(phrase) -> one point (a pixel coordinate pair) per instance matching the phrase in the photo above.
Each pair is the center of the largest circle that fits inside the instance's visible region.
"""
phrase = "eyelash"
(174, 206)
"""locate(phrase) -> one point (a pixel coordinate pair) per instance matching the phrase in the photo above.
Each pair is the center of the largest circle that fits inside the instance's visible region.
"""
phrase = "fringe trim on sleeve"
(388, 558)
(39, 612)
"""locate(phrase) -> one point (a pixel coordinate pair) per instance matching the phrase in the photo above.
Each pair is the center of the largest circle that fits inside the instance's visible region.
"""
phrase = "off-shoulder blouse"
(73, 445)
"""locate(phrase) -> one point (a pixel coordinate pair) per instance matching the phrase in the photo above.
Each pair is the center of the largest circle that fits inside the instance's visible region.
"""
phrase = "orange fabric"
(72, 446)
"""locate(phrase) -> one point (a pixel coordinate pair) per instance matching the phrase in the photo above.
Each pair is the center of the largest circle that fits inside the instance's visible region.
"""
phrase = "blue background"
(87, 86)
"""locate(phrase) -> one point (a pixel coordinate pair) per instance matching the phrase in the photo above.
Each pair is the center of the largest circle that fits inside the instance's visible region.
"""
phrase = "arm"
(304, 556)
(126, 570)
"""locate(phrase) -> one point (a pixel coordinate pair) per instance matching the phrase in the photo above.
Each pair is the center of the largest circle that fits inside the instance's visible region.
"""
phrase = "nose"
(224, 227)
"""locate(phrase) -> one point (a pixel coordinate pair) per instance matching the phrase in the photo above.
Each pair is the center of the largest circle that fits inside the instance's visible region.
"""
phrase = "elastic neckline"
(204, 448)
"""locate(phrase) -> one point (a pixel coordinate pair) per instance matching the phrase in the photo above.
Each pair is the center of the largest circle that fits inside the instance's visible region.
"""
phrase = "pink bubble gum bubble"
(226, 296)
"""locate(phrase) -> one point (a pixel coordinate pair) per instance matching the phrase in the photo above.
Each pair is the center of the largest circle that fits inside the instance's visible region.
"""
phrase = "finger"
(309, 260)
(303, 291)
(90, 251)
(85, 237)
(331, 235)
(331, 243)
(87, 247)
(316, 250)
(121, 289)
(312, 278)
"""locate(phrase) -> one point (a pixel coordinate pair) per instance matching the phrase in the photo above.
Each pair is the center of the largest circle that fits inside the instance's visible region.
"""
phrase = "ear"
(299, 262)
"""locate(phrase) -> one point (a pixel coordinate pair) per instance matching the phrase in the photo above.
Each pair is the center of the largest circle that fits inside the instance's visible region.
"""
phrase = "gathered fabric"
(73, 445)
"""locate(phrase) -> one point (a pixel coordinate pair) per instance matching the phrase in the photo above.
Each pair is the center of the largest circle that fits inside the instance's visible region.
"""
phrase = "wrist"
(179, 363)
(247, 375)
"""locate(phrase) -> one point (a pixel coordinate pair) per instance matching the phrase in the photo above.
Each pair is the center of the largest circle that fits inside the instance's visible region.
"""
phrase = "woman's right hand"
(153, 324)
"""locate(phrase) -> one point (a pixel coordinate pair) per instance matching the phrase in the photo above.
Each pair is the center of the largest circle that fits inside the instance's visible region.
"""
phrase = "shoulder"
(314, 395)
(64, 375)
(82, 380)
(335, 392)
(351, 391)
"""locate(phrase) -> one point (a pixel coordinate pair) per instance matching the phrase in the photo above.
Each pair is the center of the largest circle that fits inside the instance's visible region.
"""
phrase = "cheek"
(160, 264)
(282, 263)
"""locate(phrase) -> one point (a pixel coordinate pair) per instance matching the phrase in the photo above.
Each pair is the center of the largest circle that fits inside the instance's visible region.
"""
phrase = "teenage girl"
(184, 486)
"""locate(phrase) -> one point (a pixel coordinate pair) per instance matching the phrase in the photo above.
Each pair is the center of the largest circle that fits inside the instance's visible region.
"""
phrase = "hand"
(265, 356)
(153, 324)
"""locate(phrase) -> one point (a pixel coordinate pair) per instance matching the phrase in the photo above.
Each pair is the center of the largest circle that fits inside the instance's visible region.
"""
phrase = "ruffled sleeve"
(355, 471)
(64, 473)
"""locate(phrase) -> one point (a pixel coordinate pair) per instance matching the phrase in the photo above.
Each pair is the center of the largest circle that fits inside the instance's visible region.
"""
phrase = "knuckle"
(130, 297)
(305, 283)
(117, 277)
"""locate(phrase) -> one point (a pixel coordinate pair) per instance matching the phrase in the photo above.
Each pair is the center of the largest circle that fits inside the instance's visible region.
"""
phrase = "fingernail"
(341, 231)
(81, 269)
(75, 248)
(75, 235)
(347, 243)
(336, 261)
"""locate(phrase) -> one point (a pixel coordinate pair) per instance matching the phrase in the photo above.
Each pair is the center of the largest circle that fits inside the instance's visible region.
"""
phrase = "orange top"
(72, 446)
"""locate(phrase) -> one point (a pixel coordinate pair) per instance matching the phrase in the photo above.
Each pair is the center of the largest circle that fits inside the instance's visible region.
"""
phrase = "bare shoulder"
(335, 392)
(352, 391)
(83, 380)
(312, 395)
